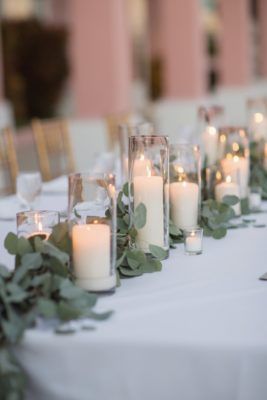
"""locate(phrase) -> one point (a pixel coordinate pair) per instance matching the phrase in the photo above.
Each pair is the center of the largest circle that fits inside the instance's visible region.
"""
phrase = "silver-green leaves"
(40, 286)
(215, 216)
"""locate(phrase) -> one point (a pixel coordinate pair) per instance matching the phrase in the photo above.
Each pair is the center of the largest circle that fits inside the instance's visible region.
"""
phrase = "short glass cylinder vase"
(31, 224)
(210, 118)
(92, 222)
(149, 189)
(185, 185)
(234, 150)
(193, 241)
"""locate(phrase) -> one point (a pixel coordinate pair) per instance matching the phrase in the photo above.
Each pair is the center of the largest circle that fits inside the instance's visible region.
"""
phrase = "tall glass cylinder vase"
(126, 131)
(92, 220)
(210, 118)
(234, 149)
(185, 185)
(149, 185)
(257, 119)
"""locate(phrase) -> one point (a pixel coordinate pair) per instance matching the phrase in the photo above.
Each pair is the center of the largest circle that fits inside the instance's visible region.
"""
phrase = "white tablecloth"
(195, 331)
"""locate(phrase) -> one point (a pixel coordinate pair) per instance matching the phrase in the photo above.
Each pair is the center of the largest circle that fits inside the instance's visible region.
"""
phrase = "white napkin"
(8, 208)
(58, 185)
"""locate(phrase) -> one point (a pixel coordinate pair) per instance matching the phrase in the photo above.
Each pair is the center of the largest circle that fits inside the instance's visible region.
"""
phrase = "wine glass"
(29, 186)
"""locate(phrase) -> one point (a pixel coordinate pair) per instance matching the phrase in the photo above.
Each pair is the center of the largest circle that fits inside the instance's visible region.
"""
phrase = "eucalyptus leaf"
(23, 246)
(125, 189)
(230, 200)
(219, 233)
(135, 258)
(4, 272)
(140, 216)
(11, 243)
(158, 252)
(152, 266)
(46, 308)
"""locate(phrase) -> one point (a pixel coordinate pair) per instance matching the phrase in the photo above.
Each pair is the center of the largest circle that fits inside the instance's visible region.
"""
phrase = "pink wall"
(262, 4)
(181, 44)
(235, 58)
(101, 62)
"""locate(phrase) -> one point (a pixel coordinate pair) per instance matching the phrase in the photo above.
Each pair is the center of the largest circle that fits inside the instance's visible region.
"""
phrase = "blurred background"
(87, 60)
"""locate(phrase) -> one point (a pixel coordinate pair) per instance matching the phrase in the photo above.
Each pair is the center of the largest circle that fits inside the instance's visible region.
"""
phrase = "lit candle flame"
(218, 176)
(38, 222)
(212, 130)
(222, 138)
(258, 118)
(236, 159)
(148, 171)
(235, 146)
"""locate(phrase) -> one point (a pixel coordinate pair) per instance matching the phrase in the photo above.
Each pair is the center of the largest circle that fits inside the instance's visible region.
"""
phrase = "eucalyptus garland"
(42, 285)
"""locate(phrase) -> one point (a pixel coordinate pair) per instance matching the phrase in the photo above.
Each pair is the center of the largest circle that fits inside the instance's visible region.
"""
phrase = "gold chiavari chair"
(53, 148)
(8, 162)
(113, 122)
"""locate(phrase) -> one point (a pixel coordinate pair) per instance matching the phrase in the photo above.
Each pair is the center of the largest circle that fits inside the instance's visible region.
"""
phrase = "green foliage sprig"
(215, 216)
(131, 261)
(41, 286)
(258, 174)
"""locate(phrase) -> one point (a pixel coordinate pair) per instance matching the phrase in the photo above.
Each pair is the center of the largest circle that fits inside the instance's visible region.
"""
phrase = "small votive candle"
(36, 223)
(193, 241)
(255, 198)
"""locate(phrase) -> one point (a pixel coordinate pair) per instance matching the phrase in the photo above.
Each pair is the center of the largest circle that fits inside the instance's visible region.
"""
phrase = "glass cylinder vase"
(210, 118)
(36, 223)
(185, 185)
(148, 185)
(234, 150)
(257, 119)
(92, 220)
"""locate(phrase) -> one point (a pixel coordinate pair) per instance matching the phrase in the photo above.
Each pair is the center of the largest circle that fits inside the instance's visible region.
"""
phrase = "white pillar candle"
(149, 191)
(184, 198)
(210, 141)
(141, 166)
(255, 201)
(91, 257)
(258, 126)
(238, 168)
(193, 243)
(265, 157)
(228, 188)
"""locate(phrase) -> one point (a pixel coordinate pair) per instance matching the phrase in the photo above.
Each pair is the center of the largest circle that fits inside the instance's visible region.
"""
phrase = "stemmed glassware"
(29, 186)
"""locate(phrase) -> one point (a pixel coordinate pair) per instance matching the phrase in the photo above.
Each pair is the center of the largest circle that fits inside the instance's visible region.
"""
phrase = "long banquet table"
(195, 331)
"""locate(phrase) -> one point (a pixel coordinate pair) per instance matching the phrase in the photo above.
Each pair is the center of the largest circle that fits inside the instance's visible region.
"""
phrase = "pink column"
(262, 12)
(181, 45)
(235, 58)
(100, 52)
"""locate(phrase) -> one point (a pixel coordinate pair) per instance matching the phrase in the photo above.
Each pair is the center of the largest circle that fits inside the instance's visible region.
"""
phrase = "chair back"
(53, 148)
(8, 162)
(113, 122)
